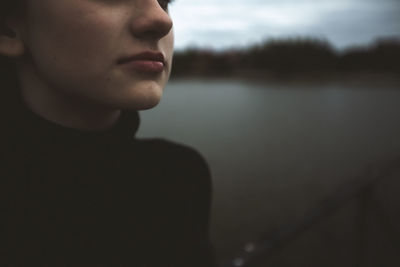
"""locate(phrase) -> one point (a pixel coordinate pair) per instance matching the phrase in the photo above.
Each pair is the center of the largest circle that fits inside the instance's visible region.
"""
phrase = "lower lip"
(146, 66)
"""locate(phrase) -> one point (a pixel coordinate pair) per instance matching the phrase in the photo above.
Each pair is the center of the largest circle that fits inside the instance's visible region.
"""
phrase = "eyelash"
(165, 3)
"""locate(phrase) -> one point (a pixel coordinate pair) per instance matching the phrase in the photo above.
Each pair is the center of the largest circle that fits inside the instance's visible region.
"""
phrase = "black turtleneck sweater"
(76, 198)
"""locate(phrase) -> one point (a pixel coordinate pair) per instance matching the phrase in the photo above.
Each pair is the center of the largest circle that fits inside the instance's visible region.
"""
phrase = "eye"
(165, 3)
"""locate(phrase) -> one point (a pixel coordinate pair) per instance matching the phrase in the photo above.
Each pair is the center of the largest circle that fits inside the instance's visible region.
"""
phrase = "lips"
(147, 62)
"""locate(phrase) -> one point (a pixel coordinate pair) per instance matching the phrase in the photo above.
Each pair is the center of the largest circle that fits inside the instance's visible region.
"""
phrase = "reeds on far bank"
(311, 58)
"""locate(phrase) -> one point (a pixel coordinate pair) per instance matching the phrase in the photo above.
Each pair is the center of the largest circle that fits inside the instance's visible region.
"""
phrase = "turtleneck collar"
(34, 127)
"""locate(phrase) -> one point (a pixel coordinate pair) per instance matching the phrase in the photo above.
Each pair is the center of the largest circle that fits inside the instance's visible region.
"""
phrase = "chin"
(145, 97)
(146, 104)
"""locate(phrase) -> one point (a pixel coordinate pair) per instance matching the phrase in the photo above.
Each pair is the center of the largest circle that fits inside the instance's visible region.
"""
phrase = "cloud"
(224, 23)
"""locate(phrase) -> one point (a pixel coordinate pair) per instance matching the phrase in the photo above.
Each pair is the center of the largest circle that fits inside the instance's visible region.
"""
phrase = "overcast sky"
(232, 23)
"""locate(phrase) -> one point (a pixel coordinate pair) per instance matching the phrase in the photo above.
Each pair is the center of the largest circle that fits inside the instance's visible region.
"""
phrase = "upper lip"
(147, 55)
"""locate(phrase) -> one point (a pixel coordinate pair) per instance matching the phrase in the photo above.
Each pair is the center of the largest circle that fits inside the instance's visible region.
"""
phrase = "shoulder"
(171, 152)
(179, 162)
(186, 190)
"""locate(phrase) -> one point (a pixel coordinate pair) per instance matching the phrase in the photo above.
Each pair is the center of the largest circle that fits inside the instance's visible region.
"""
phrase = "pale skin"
(66, 54)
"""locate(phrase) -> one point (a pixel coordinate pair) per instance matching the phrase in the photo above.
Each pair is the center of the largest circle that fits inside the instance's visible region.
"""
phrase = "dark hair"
(8, 75)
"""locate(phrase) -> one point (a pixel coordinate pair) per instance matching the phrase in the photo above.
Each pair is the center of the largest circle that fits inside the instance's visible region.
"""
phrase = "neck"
(61, 108)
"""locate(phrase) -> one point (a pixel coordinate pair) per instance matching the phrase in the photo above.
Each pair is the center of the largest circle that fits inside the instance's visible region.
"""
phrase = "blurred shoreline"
(294, 60)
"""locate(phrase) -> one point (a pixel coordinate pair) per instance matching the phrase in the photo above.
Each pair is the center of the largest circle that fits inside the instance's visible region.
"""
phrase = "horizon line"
(355, 45)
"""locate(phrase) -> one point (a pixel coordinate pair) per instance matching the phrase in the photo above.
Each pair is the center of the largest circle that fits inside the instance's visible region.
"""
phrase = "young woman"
(76, 187)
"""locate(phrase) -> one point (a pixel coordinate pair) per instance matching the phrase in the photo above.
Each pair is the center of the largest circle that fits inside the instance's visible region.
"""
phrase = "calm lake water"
(275, 150)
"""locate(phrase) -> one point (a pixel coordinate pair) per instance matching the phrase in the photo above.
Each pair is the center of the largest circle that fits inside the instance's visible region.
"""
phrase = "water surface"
(275, 150)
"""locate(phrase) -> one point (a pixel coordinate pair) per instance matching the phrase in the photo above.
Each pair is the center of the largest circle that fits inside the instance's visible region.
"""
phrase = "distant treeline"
(289, 56)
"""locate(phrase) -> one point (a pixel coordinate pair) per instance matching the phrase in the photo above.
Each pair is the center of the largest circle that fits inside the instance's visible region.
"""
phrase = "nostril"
(152, 25)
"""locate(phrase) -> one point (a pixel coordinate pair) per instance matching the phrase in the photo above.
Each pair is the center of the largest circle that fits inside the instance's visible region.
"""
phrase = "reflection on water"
(275, 150)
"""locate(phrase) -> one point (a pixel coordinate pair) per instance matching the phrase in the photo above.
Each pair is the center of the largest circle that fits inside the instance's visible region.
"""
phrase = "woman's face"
(103, 52)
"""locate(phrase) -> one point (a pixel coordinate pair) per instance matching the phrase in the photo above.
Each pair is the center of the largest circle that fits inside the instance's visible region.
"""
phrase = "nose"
(152, 21)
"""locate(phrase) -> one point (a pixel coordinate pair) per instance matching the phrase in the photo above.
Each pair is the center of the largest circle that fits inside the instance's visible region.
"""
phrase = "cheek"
(168, 44)
(171, 40)
(70, 39)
